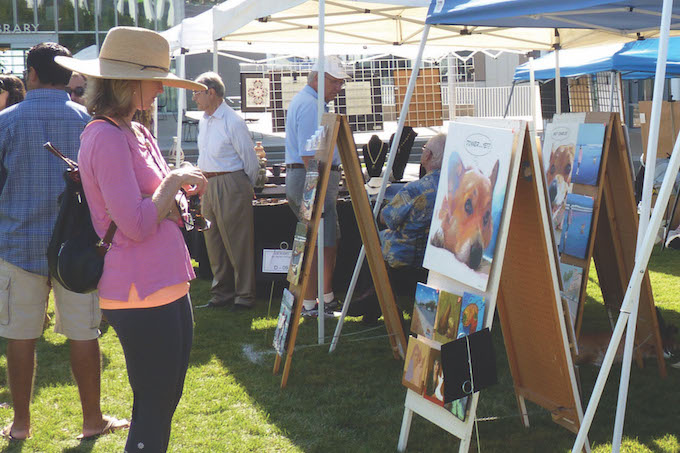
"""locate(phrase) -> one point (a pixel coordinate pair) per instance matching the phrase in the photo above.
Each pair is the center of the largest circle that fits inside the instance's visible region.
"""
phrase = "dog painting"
(559, 152)
(469, 203)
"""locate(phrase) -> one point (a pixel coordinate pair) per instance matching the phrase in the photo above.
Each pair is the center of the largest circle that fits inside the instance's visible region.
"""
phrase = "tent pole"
(644, 216)
(321, 80)
(612, 81)
(507, 105)
(558, 85)
(381, 193)
(532, 84)
(632, 293)
(181, 107)
(215, 58)
(451, 62)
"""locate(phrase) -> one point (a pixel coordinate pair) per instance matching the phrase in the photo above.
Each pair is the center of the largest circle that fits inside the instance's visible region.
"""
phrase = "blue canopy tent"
(634, 60)
(553, 25)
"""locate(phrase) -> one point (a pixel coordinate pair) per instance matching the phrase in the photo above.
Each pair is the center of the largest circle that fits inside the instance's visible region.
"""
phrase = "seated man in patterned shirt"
(407, 218)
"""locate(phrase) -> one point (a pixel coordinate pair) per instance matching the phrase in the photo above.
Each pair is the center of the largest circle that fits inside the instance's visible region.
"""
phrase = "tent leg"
(388, 169)
(507, 105)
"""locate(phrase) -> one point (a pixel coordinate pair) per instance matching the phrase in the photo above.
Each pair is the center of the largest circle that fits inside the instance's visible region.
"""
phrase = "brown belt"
(212, 174)
(333, 167)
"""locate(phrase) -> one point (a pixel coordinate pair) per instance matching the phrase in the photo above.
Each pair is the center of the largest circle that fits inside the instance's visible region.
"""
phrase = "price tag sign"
(276, 261)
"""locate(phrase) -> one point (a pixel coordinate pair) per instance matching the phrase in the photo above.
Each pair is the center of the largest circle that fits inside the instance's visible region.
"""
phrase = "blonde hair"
(108, 97)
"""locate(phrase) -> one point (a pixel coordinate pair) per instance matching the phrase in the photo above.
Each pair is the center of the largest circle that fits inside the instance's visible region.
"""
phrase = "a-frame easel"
(339, 133)
(613, 238)
(525, 282)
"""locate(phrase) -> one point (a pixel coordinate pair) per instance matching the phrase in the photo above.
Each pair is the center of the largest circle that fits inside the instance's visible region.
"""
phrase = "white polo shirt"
(224, 143)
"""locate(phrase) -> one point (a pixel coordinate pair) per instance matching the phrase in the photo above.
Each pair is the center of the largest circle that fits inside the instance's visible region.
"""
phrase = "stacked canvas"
(572, 154)
(439, 317)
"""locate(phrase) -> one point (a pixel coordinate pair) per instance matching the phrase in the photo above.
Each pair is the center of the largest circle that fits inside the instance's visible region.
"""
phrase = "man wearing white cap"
(301, 123)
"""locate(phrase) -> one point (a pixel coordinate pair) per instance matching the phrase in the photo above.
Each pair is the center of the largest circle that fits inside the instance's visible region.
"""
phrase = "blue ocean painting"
(576, 228)
(425, 310)
(588, 154)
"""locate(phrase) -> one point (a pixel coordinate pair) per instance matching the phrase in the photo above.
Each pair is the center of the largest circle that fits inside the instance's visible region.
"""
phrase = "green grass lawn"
(348, 401)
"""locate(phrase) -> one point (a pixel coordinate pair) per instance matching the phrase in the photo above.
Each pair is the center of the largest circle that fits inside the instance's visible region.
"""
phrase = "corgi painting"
(469, 203)
(559, 152)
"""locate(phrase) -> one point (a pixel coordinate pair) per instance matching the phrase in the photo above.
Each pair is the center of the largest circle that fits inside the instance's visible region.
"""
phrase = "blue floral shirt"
(408, 217)
(28, 199)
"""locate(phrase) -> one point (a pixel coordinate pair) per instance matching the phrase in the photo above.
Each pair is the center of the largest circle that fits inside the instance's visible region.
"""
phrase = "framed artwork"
(576, 229)
(361, 101)
(471, 314)
(299, 243)
(448, 317)
(309, 192)
(415, 366)
(469, 204)
(434, 381)
(425, 310)
(255, 93)
(571, 282)
(285, 313)
(588, 154)
(559, 150)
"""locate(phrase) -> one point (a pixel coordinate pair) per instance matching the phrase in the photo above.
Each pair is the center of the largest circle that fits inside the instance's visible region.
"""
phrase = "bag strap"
(104, 244)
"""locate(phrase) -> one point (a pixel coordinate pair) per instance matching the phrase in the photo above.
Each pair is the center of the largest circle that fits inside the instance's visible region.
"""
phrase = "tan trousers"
(228, 204)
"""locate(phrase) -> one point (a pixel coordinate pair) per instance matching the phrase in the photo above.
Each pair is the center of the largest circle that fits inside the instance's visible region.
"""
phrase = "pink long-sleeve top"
(120, 171)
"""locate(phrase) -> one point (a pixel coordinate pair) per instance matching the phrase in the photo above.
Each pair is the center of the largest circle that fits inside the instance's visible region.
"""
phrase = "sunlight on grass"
(348, 401)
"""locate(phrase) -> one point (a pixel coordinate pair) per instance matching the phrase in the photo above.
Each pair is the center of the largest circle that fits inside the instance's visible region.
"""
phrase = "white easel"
(527, 167)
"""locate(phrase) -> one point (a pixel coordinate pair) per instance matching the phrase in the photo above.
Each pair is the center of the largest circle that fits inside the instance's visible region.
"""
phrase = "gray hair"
(312, 76)
(436, 145)
(212, 80)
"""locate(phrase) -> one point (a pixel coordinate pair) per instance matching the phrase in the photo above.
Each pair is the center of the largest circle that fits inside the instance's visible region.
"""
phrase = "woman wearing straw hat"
(144, 288)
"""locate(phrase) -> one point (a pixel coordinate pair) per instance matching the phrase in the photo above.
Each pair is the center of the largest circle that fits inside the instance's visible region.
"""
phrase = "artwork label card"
(588, 154)
(285, 314)
(448, 317)
(415, 367)
(469, 204)
(425, 311)
(576, 229)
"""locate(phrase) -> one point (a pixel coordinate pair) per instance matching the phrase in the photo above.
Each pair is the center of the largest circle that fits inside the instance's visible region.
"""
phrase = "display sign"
(276, 261)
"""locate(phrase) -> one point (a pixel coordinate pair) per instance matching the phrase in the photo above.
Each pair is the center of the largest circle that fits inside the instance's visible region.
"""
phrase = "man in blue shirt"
(32, 180)
(301, 124)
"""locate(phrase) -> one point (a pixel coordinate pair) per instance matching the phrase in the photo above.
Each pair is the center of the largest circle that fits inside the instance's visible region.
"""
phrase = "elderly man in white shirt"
(227, 158)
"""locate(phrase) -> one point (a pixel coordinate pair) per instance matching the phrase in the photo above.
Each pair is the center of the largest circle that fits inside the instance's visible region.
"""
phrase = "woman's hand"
(191, 180)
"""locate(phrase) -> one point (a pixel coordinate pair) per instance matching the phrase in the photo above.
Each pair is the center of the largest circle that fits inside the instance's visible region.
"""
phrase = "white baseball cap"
(333, 66)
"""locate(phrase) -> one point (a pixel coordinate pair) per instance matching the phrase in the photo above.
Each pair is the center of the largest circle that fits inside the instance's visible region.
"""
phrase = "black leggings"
(156, 343)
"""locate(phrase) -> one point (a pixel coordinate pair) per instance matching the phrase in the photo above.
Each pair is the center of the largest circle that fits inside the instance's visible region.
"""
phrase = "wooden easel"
(613, 238)
(339, 133)
(525, 278)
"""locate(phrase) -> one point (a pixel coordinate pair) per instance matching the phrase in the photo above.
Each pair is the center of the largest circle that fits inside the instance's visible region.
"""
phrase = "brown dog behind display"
(465, 213)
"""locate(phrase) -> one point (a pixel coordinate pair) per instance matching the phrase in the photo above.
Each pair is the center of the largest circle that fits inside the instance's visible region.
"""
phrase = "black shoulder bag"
(75, 254)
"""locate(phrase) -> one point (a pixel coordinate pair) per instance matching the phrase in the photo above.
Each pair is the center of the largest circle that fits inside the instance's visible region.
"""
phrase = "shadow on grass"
(352, 400)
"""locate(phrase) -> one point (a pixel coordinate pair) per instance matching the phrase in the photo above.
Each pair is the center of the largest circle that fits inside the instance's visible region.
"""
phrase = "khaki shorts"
(23, 303)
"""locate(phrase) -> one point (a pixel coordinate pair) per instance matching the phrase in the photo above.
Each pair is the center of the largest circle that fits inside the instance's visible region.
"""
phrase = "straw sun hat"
(131, 53)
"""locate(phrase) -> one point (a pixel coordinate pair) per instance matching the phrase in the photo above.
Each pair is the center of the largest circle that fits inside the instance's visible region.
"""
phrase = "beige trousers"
(228, 204)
